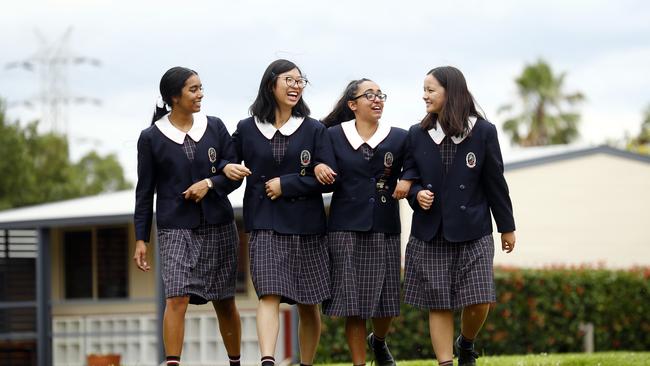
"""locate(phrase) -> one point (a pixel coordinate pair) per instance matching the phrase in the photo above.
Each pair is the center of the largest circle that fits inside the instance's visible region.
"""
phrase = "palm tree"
(543, 119)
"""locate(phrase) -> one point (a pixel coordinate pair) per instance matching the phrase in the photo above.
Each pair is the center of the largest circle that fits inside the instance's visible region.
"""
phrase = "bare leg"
(268, 323)
(441, 329)
(381, 326)
(355, 332)
(308, 332)
(174, 324)
(472, 319)
(229, 325)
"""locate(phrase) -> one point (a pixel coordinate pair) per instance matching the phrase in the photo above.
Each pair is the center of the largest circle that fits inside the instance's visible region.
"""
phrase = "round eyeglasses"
(292, 83)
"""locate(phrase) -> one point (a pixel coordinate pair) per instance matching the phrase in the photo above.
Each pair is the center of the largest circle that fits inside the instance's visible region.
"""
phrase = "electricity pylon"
(52, 62)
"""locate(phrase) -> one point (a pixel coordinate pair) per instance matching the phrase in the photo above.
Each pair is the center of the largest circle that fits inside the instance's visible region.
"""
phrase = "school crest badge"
(470, 160)
(388, 159)
(305, 157)
(212, 154)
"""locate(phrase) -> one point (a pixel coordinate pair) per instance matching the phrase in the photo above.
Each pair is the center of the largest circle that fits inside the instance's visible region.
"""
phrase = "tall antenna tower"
(52, 62)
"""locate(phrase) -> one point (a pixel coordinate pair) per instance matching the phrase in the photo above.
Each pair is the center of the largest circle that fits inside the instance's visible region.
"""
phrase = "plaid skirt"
(441, 275)
(200, 263)
(365, 274)
(295, 267)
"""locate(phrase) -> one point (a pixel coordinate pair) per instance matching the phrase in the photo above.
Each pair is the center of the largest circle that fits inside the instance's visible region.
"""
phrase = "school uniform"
(364, 224)
(198, 241)
(288, 248)
(449, 257)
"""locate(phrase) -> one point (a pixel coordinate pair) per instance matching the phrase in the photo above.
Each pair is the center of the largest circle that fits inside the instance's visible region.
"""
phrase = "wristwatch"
(209, 182)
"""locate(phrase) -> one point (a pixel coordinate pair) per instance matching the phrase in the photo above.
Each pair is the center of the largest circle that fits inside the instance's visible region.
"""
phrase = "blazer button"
(429, 186)
(462, 208)
(372, 200)
(263, 177)
(261, 197)
(372, 180)
(293, 200)
(461, 187)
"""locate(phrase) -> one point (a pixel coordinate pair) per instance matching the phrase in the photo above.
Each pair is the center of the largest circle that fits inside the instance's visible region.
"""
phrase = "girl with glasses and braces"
(283, 206)
(364, 224)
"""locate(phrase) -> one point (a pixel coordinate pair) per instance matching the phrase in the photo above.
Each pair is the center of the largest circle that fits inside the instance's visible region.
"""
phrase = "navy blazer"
(300, 209)
(362, 199)
(473, 186)
(164, 168)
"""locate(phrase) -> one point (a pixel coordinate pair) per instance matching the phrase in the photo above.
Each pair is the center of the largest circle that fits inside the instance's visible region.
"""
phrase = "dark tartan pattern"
(279, 144)
(447, 152)
(296, 267)
(365, 274)
(189, 147)
(367, 152)
(200, 263)
(443, 275)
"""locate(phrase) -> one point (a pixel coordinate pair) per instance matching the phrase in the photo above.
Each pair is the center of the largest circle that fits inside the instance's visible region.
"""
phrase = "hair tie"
(160, 103)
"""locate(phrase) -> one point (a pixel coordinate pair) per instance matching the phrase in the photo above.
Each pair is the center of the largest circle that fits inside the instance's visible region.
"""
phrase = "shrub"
(536, 311)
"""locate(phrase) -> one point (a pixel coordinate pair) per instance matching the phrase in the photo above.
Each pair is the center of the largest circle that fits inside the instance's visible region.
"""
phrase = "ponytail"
(341, 112)
(159, 111)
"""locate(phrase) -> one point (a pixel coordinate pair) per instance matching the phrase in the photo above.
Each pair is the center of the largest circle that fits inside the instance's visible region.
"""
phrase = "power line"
(52, 61)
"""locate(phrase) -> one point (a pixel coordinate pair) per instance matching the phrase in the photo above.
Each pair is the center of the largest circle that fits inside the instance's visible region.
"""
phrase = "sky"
(603, 47)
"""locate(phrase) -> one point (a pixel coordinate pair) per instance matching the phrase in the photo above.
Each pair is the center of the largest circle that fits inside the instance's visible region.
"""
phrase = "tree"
(641, 143)
(543, 119)
(36, 167)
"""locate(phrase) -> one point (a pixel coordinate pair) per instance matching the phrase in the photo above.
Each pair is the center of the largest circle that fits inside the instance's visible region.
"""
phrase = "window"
(96, 263)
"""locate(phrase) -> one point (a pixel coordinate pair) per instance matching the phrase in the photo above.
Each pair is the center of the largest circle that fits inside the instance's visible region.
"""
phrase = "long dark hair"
(342, 111)
(171, 85)
(264, 105)
(459, 104)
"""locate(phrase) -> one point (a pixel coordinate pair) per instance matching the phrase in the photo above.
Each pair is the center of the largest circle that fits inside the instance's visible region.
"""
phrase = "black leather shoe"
(466, 357)
(381, 352)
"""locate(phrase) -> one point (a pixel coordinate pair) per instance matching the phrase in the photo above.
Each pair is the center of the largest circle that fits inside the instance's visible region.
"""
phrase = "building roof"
(101, 209)
(117, 207)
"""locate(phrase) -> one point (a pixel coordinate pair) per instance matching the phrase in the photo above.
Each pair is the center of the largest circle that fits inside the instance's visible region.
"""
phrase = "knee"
(226, 307)
(308, 311)
(477, 309)
(177, 304)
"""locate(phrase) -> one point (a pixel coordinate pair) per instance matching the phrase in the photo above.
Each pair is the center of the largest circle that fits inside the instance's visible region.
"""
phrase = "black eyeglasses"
(372, 96)
(300, 83)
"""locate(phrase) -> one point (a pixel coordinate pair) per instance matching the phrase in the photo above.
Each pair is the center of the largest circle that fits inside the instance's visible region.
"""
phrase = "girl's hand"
(140, 256)
(196, 191)
(273, 188)
(402, 189)
(236, 171)
(324, 174)
(508, 241)
(425, 199)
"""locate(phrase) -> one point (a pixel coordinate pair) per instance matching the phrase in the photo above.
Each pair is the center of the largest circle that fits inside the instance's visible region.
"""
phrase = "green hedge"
(536, 311)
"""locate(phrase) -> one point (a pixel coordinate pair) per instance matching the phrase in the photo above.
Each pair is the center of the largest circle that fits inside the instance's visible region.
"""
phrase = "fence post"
(588, 338)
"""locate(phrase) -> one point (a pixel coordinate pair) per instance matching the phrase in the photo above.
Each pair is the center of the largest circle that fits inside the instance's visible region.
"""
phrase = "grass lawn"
(566, 359)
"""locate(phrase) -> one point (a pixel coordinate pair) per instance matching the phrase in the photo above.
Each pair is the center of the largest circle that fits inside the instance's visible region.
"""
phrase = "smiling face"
(434, 95)
(189, 100)
(287, 90)
(363, 108)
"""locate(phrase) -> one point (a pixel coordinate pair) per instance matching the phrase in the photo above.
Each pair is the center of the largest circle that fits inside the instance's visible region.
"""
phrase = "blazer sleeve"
(410, 171)
(294, 184)
(220, 183)
(409, 168)
(145, 189)
(237, 156)
(495, 186)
